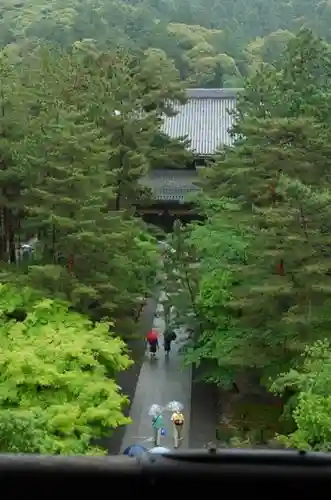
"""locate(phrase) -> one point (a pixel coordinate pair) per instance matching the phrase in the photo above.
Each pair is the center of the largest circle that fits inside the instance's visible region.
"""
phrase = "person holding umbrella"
(152, 339)
(158, 425)
(169, 336)
(155, 412)
(177, 419)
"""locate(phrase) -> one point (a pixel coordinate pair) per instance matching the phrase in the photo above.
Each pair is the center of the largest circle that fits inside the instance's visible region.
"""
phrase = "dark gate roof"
(171, 185)
(204, 119)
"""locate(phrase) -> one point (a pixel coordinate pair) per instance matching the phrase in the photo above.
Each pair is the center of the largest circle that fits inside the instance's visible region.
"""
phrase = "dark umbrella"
(135, 450)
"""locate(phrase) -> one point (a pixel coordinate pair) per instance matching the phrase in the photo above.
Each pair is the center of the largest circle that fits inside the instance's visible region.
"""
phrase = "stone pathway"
(160, 381)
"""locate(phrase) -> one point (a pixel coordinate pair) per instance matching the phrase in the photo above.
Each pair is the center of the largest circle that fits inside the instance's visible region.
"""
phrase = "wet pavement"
(160, 381)
(128, 379)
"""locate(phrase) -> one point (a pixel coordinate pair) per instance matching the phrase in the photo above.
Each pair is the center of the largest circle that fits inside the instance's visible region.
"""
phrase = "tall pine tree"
(278, 172)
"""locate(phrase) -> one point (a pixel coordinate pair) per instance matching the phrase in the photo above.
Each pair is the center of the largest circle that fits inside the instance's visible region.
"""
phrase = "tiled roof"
(204, 119)
(171, 185)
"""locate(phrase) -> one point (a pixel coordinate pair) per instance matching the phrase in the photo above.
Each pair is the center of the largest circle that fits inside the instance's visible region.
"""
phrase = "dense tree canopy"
(57, 391)
(75, 148)
(80, 127)
(213, 43)
(259, 290)
(311, 412)
(83, 91)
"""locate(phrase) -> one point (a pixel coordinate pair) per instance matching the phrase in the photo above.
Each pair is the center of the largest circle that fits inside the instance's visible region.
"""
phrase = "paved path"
(128, 379)
(159, 382)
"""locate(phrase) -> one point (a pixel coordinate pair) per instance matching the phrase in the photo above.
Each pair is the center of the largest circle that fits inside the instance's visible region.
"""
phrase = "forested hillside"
(213, 43)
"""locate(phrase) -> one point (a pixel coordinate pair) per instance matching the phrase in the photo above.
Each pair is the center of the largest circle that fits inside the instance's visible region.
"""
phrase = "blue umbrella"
(135, 450)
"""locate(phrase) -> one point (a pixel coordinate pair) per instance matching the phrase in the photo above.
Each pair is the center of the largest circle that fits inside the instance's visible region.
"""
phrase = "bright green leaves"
(312, 405)
(214, 291)
(54, 369)
(201, 275)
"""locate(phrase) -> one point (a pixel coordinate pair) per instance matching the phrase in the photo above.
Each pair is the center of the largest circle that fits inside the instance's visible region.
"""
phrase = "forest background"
(74, 146)
(213, 43)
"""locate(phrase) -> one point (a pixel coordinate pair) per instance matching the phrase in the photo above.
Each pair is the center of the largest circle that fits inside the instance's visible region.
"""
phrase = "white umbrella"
(174, 406)
(159, 450)
(155, 410)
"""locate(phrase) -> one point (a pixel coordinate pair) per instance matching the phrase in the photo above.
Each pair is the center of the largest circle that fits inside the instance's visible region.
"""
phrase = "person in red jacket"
(152, 339)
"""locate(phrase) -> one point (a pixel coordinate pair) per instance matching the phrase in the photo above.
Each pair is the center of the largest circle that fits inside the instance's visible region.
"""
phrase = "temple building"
(205, 120)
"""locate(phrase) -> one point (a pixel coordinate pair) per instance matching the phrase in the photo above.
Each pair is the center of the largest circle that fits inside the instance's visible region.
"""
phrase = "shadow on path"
(203, 412)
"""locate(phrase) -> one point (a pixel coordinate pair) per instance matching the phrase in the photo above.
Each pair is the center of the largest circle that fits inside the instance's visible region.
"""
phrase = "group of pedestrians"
(177, 422)
(177, 417)
(152, 340)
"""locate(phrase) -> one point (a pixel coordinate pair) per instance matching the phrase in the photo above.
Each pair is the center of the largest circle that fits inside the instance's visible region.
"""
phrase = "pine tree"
(89, 254)
(85, 144)
(279, 174)
(14, 126)
(67, 152)
(161, 88)
(140, 91)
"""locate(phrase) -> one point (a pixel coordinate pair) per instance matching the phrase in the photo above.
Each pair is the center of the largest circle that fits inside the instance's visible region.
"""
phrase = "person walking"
(152, 339)
(169, 336)
(177, 419)
(158, 425)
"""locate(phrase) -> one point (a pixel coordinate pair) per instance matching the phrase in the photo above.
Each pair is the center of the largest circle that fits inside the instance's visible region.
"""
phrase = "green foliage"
(311, 382)
(77, 145)
(288, 309)
(79, 132)
(81, 126)
(22, 431)
(251, 422)
(202, 264)
(57, 369)
(255, 276)
(277, 173)
(213, 44)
